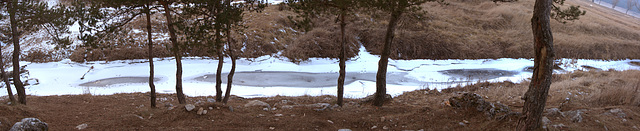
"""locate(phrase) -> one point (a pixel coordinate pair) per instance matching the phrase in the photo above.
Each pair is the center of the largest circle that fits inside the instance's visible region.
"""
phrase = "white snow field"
(271, 76)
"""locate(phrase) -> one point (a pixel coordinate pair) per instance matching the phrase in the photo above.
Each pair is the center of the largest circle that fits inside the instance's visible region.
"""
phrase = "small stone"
(189, 107)
(260, 115)
(210, 108)
(168, 105)
(374, 127)
(575, 116)
(382, 119)
(265, 109)
(462, 124)
(204, 112)
(287, 107)
(560, 126)
(230, 108)
(257, 103)
(465, 121)
(211, 100)
(385, 128)
(82, 126)
(200, 110)
(277, 115)
(552, 112)
(616, 112)
(272, 128)
(330, 121)
(545, 121)
(344, 129)
(170, 108)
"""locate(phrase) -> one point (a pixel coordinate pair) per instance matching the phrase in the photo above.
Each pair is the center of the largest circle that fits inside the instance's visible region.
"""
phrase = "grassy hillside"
(464, 29)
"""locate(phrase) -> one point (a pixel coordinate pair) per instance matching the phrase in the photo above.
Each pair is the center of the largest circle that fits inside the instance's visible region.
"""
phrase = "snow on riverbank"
(60, 78)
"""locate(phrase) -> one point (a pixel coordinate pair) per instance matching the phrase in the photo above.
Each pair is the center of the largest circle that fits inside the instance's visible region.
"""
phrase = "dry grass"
(465, 29)
(483, 29)
(568, 91)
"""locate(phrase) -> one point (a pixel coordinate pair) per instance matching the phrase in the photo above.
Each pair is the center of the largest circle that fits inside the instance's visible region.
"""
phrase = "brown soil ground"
(593, 92)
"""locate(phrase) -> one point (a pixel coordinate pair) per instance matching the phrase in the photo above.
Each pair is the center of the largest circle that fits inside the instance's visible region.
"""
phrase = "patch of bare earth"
(605, 100)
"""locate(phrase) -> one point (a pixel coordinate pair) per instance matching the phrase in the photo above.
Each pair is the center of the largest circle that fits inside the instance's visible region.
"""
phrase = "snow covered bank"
(59, 78)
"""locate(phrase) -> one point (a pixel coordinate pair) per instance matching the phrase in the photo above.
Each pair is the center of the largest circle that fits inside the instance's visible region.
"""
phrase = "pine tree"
(342, 9)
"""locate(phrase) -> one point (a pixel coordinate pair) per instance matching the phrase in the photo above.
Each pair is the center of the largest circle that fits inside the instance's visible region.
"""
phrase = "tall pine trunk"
(342, 58)
(15, 37)
(381, 76)
(536, 96)
(227, 93)
(151, 68)
(176, 52)
(219, 50)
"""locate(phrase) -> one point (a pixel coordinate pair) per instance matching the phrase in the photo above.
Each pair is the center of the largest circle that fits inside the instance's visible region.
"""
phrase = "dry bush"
(40, 55)
(321, 42)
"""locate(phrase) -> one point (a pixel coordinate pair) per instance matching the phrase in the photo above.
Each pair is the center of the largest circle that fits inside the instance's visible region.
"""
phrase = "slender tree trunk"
(176, 52)
(381, 76)
(5, 78)
(219, 50)
(342, 59)
(227, 93)
(536, 96)
(151, 68)
(15, 37)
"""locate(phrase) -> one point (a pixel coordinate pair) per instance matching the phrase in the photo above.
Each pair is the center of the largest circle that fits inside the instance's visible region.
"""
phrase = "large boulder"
(258, 103)
(475, 101)
(30, 124)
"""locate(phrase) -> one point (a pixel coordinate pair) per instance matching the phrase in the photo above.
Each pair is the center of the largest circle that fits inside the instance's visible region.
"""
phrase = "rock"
(278, 115)
(30, 124)
(189, 107)
(330, 121)
(374, 127)
(204, 112)
(210, 108)
(575, 115)
(370, 98)
(82, 126)
(462, 124)
(272, 128)
(230, 108)
(257, 103)
(344, 129)
(560, 126)
(552, 112)
(545, 121)
(472, 100)
(615, 112)
(211, 100)
(200, 110)
(385, 128)
(287, 107)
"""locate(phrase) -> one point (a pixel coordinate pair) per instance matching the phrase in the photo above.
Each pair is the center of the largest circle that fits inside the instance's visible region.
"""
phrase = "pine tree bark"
(176, 51)
(152, 93)
(15, 37)
(233, 67)
(536, 96)
(381, 76)
(342, 58)
(219, 50)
